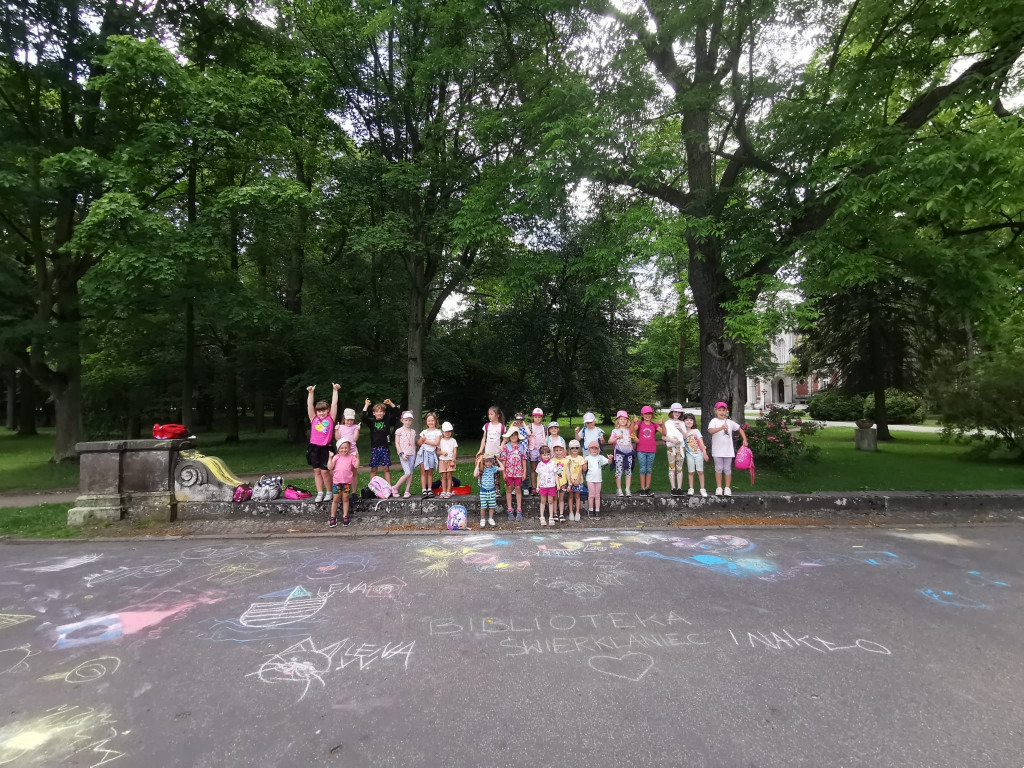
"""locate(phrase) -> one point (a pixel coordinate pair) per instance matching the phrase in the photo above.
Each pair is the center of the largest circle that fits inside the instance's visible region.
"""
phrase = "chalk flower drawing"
(630, 666)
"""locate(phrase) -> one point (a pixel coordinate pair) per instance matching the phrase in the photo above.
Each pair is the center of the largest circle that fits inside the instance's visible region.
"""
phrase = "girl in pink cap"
(622, 443)
(646, 433)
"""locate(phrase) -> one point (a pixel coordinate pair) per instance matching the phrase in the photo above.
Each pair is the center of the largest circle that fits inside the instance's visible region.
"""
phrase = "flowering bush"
(779, 442)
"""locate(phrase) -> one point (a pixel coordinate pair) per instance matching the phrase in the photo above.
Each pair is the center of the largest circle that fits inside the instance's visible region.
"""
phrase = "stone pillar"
(126, 478)
(865, 439)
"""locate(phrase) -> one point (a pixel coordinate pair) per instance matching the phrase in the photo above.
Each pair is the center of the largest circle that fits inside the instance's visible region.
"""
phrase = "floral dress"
(512, 456)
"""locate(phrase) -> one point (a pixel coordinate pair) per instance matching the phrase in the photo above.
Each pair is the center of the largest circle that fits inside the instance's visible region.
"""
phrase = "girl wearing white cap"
(536, 436)
(590, 433)
(405, 444)
(446, 451)
(348, 429)
(675, 433)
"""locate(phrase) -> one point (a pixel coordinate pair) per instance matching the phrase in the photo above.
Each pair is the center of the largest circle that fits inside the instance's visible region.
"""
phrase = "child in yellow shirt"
(574, 483)
(562, 470)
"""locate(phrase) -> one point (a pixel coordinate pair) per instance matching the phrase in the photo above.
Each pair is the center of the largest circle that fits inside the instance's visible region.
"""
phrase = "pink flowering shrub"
(778, 441)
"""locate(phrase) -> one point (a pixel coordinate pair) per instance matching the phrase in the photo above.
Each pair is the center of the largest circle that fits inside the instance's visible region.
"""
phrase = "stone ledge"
(116, 446)
(925, 506)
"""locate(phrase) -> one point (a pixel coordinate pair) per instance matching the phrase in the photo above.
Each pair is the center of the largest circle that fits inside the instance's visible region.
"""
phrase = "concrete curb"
(374, 533)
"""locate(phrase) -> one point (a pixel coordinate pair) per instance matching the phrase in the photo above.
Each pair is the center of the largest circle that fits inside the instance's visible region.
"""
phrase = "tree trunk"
(68, 403)
(877, 337)
(681, 368)
(231, 403)
(417, 336)
(188, 369)
(134, 427)
(26, 405)
(11, 377)
(259, 411)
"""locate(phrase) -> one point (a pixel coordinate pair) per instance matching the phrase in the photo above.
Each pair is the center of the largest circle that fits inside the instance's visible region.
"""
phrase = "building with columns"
(782, 388)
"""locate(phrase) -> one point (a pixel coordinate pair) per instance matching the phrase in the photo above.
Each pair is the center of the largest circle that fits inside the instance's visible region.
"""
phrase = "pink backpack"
(745, 460)
(380, 488)
(242, 493)
(293, 493)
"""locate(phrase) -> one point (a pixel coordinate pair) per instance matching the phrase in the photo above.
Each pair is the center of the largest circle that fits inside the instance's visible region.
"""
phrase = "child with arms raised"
(321, 432)
(381, 420)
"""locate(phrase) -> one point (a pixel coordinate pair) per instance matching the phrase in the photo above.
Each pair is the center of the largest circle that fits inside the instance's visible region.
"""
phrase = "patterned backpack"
(457, 519)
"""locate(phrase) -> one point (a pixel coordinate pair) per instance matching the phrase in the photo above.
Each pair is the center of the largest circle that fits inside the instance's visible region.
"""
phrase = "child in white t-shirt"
(426, 457)
(595, 461)
(722, 448)
(446, 451)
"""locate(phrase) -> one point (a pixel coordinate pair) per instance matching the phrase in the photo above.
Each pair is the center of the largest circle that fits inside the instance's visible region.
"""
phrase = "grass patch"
(45, 521)
(914, 461)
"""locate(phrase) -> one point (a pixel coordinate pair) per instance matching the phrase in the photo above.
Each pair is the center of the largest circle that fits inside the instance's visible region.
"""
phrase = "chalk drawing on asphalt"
(88, 671)
(629, 666)
(14, 660)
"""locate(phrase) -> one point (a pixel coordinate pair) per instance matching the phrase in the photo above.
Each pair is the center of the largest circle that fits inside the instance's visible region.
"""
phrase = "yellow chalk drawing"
(59, 734)
(14, 659)
(217, 467)
(13, 619)
(87, 671)
(438, 559)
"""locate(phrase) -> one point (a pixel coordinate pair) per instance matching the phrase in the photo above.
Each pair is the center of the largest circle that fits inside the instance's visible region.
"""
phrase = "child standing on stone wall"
(321, 432)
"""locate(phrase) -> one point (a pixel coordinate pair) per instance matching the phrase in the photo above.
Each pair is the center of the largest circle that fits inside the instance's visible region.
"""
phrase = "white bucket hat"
(447, 427)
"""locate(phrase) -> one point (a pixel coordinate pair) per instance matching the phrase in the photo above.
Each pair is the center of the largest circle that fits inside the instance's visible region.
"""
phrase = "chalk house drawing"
(630, 666)
(60, 734)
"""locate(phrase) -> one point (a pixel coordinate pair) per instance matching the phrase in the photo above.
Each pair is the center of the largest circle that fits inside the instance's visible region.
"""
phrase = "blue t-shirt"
(487, 477)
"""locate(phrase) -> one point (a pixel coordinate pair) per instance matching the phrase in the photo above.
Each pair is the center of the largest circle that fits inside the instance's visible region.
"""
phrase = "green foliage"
(833, 405)
(900, 407)
(981, 398)
(781, 443)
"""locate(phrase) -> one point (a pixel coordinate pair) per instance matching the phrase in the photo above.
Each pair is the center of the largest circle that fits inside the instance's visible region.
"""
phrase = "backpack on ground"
(242, 493)
(267, 488)
(379, 487)
(457, 519)
(296, 494)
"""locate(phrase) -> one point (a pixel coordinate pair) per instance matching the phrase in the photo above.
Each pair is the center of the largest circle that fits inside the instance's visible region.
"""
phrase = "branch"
(664, 192)
(659, 53)
(465, 262)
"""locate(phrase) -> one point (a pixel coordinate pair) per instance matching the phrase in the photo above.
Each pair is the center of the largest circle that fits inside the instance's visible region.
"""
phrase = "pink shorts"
(547, 491)
(514, 482)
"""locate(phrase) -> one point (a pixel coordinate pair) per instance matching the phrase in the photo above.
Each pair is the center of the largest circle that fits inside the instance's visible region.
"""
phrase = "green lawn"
(45, 521)
(915, 461)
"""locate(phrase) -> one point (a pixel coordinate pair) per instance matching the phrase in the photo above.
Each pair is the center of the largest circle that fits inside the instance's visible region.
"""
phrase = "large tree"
(755, 121)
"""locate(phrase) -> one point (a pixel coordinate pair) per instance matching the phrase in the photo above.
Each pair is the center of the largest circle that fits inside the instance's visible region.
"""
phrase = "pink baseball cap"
(647, 409)
(720, 404)
(537, 412)
(621, 415)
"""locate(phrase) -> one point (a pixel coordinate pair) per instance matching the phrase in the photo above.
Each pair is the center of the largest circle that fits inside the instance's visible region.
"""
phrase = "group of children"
(561, 472)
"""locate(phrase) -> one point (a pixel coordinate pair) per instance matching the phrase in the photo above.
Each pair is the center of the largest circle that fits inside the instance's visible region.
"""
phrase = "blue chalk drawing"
(983, 581)
(289, 594)
(741, 567)
(951, 598)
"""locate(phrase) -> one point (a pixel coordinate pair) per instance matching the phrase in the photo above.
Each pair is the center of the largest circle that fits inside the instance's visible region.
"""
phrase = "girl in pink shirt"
(321, 430)
(646, 433)
(344, 465)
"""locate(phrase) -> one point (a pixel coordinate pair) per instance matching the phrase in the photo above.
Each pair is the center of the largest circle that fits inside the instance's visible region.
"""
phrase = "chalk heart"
(629, 666)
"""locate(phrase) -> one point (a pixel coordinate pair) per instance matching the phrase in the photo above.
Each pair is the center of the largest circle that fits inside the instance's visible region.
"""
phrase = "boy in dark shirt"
(382, 421)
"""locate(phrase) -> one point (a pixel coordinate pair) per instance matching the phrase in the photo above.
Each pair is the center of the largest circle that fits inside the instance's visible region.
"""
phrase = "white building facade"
(782, 388)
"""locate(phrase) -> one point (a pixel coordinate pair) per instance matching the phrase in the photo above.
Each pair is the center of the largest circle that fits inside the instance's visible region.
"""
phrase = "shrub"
(775, 446)
(984, 402)
(835, 406)
(900, 407)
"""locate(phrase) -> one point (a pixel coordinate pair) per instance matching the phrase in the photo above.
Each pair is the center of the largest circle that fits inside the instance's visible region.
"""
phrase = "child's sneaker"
(542, 520)
(483, 522)
(511, 515)
(319, 496)
(690, 492)
(577, 517)
(346, 520)
(728, 491)
(618, 492)
(519, 515)
(490, 522)
(628, 492)
(332, 522)
(526, 491)
(718, 491)
(703, 493)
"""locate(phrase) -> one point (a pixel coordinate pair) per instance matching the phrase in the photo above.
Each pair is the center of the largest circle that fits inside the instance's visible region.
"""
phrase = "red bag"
(461, 490)
(169, 431)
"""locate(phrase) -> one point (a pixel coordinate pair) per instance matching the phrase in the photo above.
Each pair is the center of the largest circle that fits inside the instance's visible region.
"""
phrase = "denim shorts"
(694, 462)
(646, 462)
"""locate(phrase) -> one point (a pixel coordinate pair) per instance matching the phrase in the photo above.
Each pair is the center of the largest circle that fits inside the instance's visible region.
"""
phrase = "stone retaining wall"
(934, 507)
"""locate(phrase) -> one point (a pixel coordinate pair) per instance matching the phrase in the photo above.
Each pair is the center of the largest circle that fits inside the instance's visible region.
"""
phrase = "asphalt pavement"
(760, 647)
